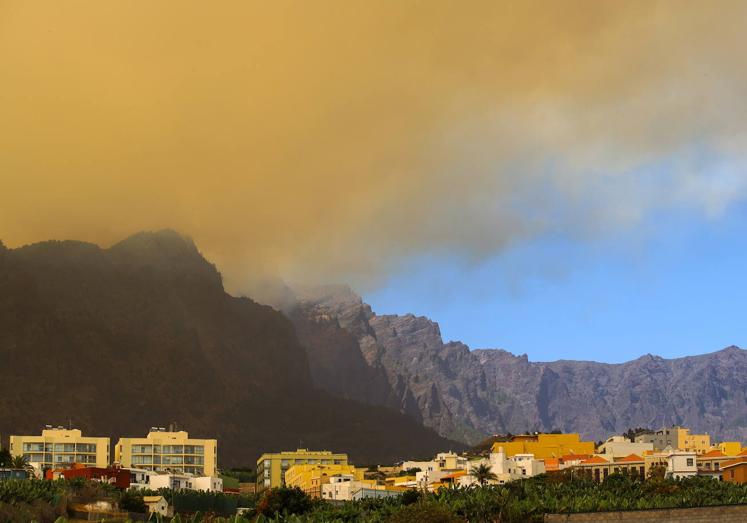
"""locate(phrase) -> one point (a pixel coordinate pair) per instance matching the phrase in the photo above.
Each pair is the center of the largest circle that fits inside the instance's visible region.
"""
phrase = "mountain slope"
(121, 339)
(467, 394)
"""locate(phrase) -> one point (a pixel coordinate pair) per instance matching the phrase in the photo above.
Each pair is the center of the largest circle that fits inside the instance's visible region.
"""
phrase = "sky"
(678, 292)
(499, 166)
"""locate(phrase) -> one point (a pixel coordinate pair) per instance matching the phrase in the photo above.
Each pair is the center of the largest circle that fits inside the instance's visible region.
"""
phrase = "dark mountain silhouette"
(141, 334)
(467, 395)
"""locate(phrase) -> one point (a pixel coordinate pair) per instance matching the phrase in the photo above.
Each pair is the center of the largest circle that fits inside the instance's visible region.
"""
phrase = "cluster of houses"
(670, 452)
(171, 459)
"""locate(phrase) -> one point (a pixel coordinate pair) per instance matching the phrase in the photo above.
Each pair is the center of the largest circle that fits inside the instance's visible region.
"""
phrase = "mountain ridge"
(468, 393)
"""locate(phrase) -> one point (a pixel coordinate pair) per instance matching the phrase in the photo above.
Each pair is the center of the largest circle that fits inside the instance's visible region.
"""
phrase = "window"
(689, 462)
(716, 465)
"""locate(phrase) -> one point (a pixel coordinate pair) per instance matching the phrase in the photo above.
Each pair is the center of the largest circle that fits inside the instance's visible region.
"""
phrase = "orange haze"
(333, 140)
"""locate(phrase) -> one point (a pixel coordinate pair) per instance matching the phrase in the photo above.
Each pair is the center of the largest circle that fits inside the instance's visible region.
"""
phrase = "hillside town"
(169, 459)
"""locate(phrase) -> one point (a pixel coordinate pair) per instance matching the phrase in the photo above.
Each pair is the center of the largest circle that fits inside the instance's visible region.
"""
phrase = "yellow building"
(396, 481)
(546, 445)
(677, 438)
(730, 448)
(165, 451)
(310, 478)
(59, 448)
(271, 467)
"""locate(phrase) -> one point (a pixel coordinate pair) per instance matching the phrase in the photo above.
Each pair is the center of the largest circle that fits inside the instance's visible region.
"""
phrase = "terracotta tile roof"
(743, 453)
(630, 458)
(594, 460)
(715, 453)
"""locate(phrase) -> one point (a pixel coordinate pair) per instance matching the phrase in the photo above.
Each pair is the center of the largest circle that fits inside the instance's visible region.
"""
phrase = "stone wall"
(720, 514)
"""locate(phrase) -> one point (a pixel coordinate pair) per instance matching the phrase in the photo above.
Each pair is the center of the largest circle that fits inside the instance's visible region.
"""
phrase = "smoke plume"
(333, 140)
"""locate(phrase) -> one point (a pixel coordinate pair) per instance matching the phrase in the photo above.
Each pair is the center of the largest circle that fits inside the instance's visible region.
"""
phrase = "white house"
(207, 483)
(344, 487)
(508, 469)
(148, 479)
(681, 465)
(340, 487)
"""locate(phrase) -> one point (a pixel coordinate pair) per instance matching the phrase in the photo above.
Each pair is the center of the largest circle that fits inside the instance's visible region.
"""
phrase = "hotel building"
(59, 448)
(166, 451)
(271, 468)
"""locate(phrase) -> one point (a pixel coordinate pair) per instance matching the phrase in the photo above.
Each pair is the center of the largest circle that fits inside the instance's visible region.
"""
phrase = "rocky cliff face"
(467, 394)
(141, 334)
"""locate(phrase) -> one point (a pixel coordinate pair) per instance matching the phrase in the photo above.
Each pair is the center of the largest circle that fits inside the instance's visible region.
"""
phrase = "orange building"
(710, 463)
(735, 471)
(544, 446)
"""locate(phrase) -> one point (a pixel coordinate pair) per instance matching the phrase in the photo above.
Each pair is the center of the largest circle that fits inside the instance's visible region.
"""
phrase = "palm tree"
(483, 473)
(19, 462)
(5, 458)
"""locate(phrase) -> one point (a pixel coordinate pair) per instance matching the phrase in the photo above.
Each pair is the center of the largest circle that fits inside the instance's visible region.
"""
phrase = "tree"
(19, 462)
(5, 458)
(284, 500)
(483, 473)
(132, 502)
(633, 433)
(657, 471)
